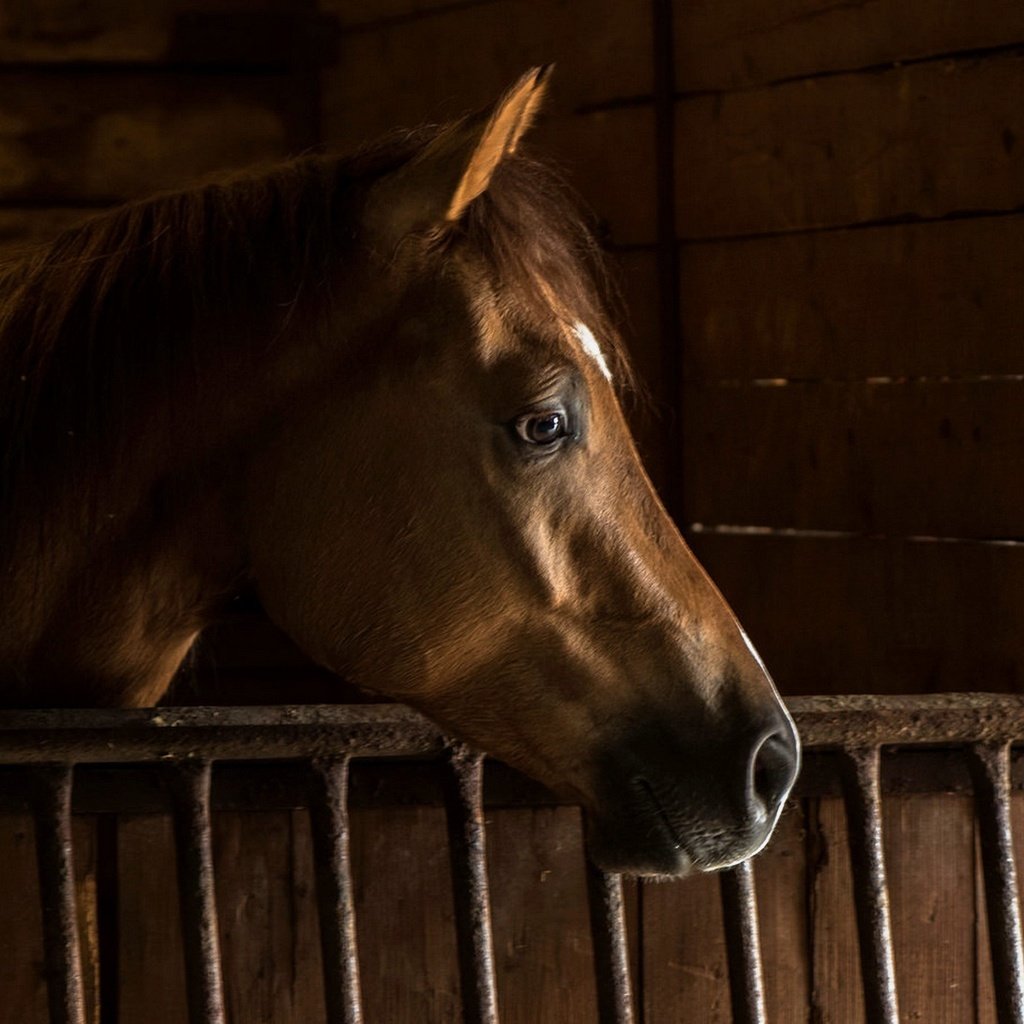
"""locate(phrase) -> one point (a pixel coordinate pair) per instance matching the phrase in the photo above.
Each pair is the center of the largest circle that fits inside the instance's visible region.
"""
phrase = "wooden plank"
(611, 160)
(927, 458)
(929, 843)
(152, 975)
(404, 915)
(781, 879)
(837, 995)
(22, 978)
(925, 141)
(725, 46)
(842, 615)
(104, 137)
(684, 959)
(542, 947)
(651, 408)
(266, 901)
(945, 300)
(367, 15)
(460, 59)
(159, 31)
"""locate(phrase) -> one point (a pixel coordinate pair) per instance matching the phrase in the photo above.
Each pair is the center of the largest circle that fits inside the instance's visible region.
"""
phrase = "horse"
(383, 392)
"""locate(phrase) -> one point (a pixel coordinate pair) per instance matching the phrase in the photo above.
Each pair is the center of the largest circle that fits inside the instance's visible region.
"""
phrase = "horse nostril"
(773, 768)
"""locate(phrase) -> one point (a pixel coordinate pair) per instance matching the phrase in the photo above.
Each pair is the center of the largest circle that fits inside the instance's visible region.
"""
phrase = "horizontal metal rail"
(43, 748)
(88, 735)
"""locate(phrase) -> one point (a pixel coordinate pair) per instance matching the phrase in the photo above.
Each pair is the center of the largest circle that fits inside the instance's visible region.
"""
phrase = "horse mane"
(124, 300)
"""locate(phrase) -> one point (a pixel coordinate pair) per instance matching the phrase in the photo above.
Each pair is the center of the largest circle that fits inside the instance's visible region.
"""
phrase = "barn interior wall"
(816, 216)
(818, 213)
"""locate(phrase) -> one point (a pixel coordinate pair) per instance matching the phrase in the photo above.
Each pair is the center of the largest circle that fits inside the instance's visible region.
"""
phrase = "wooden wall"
(849, 210)
(817, 213)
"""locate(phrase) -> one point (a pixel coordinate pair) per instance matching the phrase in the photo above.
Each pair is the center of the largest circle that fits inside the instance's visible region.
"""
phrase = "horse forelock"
(541, 257)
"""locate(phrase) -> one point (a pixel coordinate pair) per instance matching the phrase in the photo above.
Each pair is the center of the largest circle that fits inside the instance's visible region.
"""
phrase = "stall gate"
(860, 746)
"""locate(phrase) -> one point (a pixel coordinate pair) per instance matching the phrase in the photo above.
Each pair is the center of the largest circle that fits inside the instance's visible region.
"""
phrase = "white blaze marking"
(591, 347)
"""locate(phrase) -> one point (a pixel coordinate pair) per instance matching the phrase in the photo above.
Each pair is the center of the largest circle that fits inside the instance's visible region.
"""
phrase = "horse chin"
(639, 848)
(642, 840)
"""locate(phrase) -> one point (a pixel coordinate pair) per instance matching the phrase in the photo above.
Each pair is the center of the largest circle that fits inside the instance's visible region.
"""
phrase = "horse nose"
(772, 770)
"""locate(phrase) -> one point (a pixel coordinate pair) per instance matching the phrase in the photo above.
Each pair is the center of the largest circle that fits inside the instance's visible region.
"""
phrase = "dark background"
(817, 210)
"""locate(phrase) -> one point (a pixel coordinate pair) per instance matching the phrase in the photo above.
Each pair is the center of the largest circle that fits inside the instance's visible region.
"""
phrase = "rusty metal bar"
(990, 765)
(611, 949)
(190, 791)
(390, 730)
(868, 720)
(743, 943)
(54, 856)
(329, 817)
(867, 857)
(98, 735)
(466, 842)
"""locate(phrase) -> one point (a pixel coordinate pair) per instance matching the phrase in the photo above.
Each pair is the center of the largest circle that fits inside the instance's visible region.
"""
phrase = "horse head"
(456, 516)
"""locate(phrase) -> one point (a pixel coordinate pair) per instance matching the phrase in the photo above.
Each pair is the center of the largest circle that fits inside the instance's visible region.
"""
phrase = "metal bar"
(159, 734)
(466, 842)
(743, 943)
(106, 736)
(329, 817)
(991, 770)
(868, 720)
(871, 893)
(611, 949)
(190, 790)
(108, 917)
(54, 855)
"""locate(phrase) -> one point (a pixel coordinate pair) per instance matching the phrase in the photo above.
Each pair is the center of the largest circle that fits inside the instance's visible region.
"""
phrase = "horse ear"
(456, 167)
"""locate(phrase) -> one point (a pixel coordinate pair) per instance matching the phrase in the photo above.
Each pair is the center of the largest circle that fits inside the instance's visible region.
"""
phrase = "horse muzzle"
(669, 805)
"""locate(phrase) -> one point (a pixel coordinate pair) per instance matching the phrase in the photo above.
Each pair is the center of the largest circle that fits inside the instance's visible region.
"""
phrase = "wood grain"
(929, 841)
(610, 159)
(684, 958)
(929, 458)
(104, 137)
(851, 149)
(434, 68)
(372, 15)
(22, 974)
(404, 915)
(542, 945)
(843, 615)
(650, 409)
(781, 880)
(266, 901)
(152, 964)
(837, 995)
(904, 300)
(109, 31)
(726, 46)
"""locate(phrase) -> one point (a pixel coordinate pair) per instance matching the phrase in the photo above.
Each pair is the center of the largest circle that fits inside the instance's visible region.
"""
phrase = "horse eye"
(542, 428)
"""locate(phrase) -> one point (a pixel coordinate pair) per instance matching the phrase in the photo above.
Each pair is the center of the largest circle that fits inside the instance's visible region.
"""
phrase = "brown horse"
(382, 392)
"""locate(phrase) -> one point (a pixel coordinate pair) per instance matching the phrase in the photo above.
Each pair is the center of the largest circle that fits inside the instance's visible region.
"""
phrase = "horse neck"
(105, 595)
